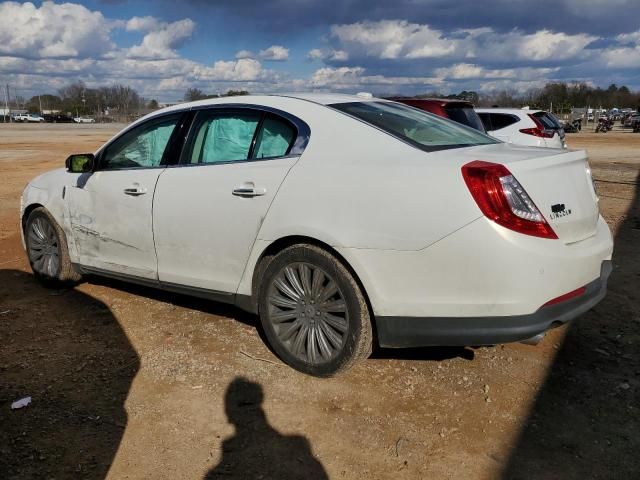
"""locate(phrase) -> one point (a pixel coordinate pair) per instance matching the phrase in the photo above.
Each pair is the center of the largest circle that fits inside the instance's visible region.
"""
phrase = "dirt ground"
(131, 383)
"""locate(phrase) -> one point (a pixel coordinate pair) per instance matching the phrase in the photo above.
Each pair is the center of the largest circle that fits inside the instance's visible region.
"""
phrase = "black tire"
(337, 346)
(62, 274)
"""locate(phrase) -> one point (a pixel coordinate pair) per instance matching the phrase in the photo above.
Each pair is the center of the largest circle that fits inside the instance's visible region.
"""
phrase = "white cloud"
(143, 24)
(538, 46)
(392, 39)
(466, 71)
(399, 39)
(632, 38)
(354, 77)
(520, 86)
(52, 30)
(242, 70)
(163, 40)
(328, 54)
(245, 54)
(622, 57)
(275, 53)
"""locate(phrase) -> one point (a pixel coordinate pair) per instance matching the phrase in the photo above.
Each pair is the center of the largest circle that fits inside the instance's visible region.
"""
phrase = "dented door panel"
(112, 229)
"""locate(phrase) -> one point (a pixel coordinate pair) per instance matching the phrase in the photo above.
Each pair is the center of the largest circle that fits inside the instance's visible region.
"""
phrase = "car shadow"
(185, 301)
(67, 351)
(423, 353)
(257, 450)
(586, 417)
(230, 311)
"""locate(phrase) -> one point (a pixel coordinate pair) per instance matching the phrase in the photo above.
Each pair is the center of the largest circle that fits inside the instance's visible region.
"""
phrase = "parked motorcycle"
(573, 127)
(604, 124)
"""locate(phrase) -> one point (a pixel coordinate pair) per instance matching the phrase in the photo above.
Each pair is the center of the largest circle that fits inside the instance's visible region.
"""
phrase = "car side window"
(502, 120)
(141, 147)
(274, 138)
(222, 137)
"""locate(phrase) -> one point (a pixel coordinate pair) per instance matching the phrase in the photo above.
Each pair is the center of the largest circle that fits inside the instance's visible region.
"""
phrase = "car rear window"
(421, 129)
(548, 120)
(466, 116)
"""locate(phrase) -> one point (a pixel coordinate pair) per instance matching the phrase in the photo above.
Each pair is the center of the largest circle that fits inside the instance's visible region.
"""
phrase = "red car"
(459, 111)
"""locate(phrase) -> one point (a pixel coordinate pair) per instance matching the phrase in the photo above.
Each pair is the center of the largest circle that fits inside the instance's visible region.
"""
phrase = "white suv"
(532, 128)
(28, 117)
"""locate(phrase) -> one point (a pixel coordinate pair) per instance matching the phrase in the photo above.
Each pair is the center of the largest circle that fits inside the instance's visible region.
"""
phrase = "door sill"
(215, 295)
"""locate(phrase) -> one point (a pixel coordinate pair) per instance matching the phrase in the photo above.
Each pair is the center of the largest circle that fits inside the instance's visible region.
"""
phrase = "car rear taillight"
(502, 199)
(539, 130)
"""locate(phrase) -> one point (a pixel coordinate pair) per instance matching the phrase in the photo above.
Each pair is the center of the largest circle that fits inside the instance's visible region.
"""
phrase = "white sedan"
(84, 120)
(340, 220)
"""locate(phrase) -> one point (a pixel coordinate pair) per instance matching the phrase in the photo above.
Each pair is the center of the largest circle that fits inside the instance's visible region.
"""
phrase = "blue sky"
(163, 47)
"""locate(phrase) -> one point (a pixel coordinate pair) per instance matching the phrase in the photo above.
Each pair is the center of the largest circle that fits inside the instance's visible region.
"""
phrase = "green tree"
(193, 94)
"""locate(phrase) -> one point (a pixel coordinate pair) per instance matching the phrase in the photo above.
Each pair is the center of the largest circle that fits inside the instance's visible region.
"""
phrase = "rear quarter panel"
(358, 187)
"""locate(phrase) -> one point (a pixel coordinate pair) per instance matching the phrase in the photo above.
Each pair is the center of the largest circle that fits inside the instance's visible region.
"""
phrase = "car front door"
(208, 210)
(111, 208)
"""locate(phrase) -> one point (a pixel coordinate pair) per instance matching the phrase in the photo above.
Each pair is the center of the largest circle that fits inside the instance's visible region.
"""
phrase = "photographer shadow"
(257, 450)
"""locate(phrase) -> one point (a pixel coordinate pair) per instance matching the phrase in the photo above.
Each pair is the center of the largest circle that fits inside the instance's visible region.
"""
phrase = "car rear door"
(208, 210)
(110, 208)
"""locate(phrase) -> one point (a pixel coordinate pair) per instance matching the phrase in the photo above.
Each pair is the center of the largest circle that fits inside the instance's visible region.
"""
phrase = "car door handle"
(135, 190)
(248, 190)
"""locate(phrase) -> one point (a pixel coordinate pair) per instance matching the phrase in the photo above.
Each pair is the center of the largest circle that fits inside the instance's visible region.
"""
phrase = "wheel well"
(27, 212)
(276, 247)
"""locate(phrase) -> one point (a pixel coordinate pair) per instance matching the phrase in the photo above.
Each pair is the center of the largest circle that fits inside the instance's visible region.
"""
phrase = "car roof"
(331, 98)
(319, 98)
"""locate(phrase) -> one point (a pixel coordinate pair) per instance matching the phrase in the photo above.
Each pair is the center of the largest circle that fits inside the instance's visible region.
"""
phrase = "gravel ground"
(131, 383)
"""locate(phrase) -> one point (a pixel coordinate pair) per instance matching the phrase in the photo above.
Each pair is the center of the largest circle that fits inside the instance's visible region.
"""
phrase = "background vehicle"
(457, 110)
(632, 121)
(605, 124)
(84, 120)
(534, 128)
(58, 118)
(228, 199)
(29, 118)
(572, 127)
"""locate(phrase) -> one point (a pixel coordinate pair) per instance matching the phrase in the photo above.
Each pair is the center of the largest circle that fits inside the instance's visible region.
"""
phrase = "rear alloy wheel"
(313, 311)
(47, 250)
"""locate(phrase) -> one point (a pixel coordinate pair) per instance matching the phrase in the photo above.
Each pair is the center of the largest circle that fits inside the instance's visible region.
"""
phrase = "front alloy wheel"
(43, 247)
(47, 250)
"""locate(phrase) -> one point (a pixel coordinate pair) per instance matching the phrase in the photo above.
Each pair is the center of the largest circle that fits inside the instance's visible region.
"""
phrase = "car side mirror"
(80, 163)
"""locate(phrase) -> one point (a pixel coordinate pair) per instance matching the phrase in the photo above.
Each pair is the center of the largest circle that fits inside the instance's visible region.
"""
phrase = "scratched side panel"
(113, 230)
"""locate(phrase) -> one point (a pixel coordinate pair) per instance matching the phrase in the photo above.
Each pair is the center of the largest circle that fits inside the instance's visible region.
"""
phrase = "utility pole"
(6, 103)
(40, 103)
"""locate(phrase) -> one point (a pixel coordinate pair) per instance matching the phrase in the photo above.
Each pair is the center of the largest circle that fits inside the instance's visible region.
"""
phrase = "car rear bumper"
(402, 332)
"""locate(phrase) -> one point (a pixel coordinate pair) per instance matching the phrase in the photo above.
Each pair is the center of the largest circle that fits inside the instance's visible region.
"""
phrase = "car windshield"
(421, 129)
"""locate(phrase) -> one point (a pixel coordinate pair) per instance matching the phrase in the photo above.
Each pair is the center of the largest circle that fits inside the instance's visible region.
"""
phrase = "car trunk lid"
(562, 188)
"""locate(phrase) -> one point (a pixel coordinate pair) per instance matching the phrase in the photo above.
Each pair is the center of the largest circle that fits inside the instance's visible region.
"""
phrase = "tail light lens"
(539, 130)
(502, 199)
